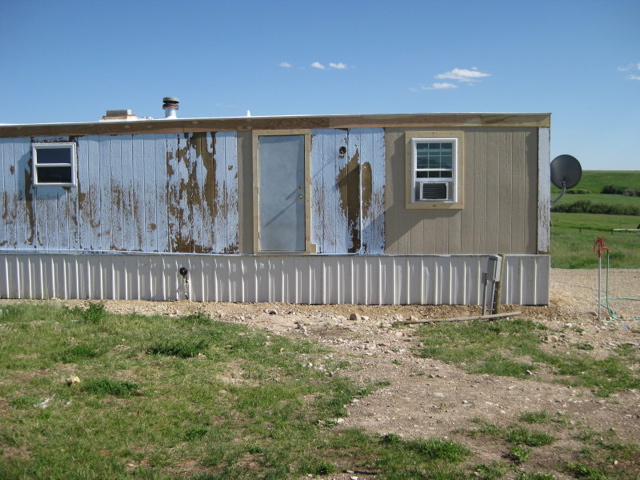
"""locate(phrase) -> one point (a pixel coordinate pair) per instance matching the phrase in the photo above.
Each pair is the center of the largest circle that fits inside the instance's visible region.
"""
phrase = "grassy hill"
(595, 180)
(574, 234)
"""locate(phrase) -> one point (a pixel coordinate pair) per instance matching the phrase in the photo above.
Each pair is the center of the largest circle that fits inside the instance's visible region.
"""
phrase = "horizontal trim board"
(304, 279)
(238, 124)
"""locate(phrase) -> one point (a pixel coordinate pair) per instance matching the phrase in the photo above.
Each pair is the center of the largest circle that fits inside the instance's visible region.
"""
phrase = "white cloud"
(463, 75)
(439, 86)
(632, 67)
(337, 66)
(285, 65)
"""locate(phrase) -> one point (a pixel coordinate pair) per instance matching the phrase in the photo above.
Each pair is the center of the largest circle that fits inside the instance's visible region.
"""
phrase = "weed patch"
(183, 348)
(105, 386)
(77, 354)
(497, 348)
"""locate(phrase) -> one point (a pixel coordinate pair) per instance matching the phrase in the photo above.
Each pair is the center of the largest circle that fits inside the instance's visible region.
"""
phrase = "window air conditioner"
(434, 190)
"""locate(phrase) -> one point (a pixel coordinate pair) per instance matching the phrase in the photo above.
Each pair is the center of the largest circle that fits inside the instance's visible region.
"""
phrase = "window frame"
(72, 164)
(413, 182)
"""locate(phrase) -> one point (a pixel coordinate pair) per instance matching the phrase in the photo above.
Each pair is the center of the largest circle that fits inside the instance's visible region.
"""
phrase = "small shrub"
(534, 417)
(439, 449)
(93, 313)
(493, 471)
(631, 192)
(519, 454)
(105, 386)
(195, 432)
(198, 318)
(322, 467)
(77, 353)
(586, 206)
(185, 348)
(580, 470)
(523, 436)
(536, 476)
(612, 190)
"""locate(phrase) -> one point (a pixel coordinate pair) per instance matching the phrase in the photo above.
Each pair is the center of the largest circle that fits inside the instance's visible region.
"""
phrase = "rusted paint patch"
(348, 182)
(5, 207)
(178, 219)
(210, 187)
(28, 203)
(367, 194)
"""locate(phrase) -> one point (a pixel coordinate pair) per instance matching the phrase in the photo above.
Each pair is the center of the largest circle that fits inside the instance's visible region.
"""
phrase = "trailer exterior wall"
(154, 195)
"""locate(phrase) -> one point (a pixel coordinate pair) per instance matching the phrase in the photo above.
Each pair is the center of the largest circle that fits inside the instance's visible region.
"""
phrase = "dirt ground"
(428, 398)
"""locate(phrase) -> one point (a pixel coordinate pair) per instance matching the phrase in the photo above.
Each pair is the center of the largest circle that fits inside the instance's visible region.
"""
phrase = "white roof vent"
(170, 105)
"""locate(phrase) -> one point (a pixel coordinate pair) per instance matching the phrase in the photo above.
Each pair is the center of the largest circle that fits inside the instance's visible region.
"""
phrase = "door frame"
(309, 248)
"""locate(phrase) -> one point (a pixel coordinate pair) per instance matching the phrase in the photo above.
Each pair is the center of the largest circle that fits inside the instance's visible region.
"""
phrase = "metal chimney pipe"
(170, 105)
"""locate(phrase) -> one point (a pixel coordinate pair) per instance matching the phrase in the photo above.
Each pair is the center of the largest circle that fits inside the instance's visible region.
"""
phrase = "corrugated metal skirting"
(307, 279)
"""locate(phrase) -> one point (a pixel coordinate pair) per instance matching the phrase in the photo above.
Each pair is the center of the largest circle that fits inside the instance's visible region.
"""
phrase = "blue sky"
(70, 61)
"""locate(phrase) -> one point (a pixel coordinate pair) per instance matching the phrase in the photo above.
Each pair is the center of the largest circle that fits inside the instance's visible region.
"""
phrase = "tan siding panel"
(504, 174)
(499, 214)
(519, 193)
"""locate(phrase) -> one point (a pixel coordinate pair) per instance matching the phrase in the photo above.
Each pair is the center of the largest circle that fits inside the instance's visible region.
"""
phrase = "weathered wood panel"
(329, 224)
(347, 176)
(368, 145)
(225, 222)
(153, 193)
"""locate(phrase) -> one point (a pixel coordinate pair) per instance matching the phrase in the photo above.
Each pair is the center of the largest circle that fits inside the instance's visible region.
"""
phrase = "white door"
(281, 184)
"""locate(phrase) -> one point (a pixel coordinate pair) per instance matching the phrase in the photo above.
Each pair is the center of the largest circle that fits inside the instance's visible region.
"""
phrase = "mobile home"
(363, 209)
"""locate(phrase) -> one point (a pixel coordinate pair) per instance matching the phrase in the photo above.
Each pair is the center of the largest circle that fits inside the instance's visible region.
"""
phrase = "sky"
(70, 61)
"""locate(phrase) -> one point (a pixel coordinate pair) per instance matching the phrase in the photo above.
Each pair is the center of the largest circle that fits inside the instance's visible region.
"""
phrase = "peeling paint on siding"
(153, 193)
(348, 190)
(348, 181)
(369, 143)
(226, 218)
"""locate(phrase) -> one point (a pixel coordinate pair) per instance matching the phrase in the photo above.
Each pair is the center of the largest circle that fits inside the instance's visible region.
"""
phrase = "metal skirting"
(306, 279)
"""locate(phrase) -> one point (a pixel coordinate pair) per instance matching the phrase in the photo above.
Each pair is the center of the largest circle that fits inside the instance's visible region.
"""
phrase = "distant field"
(594, 180)
(574, 234)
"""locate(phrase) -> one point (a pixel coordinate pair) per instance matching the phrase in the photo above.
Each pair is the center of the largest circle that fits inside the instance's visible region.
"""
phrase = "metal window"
(434, 168)
(54, 164)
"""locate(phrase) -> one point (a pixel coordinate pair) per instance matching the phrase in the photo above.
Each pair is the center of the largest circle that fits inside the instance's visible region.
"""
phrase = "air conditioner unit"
(434, 190)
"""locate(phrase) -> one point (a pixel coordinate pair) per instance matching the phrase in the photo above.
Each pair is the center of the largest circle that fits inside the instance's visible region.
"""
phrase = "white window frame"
(453, 183)
(37, 167)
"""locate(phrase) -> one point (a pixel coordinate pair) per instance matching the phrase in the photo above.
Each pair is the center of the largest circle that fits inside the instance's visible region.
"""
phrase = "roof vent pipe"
(170, 105)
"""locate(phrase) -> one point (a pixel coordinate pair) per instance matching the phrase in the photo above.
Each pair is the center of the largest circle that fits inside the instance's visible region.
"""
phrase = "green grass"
(595, 180)
(183, 398)
(596, 459)
(513, 348)
(573, 234)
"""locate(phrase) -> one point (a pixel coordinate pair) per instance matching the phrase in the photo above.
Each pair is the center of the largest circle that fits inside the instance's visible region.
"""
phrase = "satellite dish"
(565, 173)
